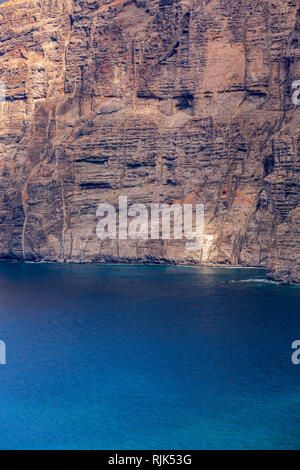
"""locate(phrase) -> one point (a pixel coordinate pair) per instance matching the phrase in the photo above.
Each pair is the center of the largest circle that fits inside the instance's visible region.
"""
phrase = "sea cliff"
(160, 101)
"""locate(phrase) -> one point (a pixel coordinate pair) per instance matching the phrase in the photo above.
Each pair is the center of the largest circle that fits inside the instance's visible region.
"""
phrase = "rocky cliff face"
(161, 101)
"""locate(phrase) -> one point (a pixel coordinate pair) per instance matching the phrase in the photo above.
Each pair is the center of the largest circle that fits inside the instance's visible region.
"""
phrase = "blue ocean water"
(136, 357)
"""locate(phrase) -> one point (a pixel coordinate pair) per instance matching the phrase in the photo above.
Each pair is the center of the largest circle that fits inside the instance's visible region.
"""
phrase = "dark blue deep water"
(115, 357)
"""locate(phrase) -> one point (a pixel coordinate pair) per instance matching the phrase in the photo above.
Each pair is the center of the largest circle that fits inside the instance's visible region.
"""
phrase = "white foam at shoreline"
(264, 281)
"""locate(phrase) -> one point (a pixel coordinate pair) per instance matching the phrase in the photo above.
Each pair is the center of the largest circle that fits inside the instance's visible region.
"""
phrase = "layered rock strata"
(162, 101)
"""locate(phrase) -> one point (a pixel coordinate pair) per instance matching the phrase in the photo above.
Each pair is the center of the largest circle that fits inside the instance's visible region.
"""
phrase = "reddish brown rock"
(159, 100)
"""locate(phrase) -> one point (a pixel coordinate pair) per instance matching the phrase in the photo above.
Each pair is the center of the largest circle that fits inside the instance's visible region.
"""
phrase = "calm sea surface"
(115, 357)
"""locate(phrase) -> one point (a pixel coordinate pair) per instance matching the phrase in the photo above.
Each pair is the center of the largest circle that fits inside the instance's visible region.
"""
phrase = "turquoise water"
(115, 357)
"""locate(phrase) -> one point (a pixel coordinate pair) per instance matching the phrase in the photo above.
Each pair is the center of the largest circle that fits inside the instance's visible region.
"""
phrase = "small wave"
(257, 280)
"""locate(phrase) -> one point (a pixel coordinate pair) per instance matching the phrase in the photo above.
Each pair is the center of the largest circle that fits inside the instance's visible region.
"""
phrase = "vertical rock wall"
(161, 101)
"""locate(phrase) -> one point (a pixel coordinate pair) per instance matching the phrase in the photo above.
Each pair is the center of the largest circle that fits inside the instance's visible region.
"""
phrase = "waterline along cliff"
(159, 101)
